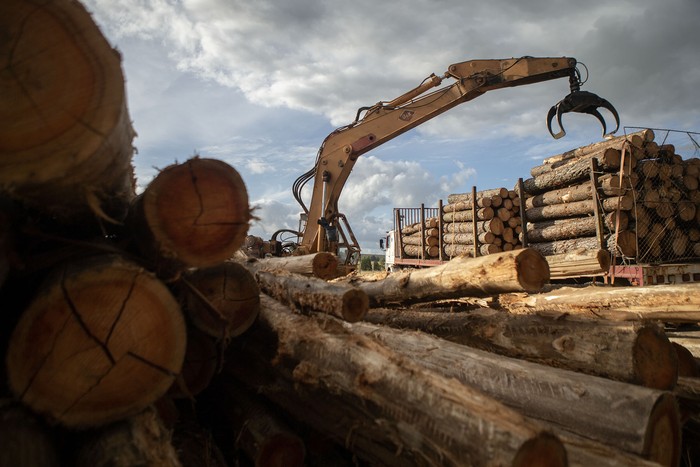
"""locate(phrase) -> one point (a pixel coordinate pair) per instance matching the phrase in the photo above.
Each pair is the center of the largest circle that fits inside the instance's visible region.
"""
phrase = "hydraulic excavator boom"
(326, 229)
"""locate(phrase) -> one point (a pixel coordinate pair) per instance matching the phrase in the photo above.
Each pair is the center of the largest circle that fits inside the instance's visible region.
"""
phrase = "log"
(627, 352)
(391, 410)
(139, 440)
(25, 439)
(322, 264)
(468, 239)
(645, 422)
(636, 139)
(666, 303)
(607, 158)
(84, 353)
(418, 241)
(578, 263)
(562, 229)
(467, 197)
(455, 249)
(221, 301)
(494, 226)
(609, 185)
(523, 270)
(579, 208)
(202, 359)
(307, 293)
(192, 214)
(197, 446)
(626, 244)
(482, 214)
(65, 132)
(415, 251)
(569, 174)
(486, 202)
(255, 425)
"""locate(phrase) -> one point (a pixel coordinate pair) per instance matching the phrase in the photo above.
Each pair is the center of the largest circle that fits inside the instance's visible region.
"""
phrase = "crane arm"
(386, 120)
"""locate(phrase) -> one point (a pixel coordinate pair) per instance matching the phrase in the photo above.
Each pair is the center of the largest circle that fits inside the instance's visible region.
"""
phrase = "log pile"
(130, 337)
(488, 219)
(627, 195)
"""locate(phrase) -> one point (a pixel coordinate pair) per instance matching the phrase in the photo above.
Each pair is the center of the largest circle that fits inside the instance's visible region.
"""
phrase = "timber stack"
(131, 337)
(627, 196)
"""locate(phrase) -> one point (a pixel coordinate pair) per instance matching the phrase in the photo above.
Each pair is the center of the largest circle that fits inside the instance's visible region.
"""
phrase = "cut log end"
(532, 270)
(662, 440)
(544, 450)
(655, 359)
(355, 305)
(197, 211)
(325, 265)
(85, 353)
(281, 450)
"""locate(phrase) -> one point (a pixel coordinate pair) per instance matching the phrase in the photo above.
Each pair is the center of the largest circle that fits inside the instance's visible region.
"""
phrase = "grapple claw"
(581, 102)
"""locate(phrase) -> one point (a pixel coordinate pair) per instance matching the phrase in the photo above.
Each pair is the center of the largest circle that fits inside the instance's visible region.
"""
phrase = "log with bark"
(193, 214)
(494, 226)
(669, 303)
(574, 227)
(628, 352)
(607, 159)
(453, 250)
(622, 243)
(467, 197)
(521, 270)
(254, 425)
(636, 139)
(307, 293)
(578, 263)
(322, 264)
(222, 301)
(65, 132)
(388, 408)
(84, 353)
(644, 421)
(579, 208)
(139, 440)
(25, 439)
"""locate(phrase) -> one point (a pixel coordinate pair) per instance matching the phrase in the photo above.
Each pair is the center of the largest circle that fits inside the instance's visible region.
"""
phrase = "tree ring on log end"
(662, 440)
(532, 270)
(544, 450)
(655, 359)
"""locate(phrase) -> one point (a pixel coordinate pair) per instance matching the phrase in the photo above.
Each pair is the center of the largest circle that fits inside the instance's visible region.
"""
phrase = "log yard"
(550, 323)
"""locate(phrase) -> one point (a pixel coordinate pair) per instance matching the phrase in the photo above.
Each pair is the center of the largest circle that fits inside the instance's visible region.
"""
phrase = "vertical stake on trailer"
(440, 227)
(398, 241)
(422, 231)
(523, 217)
(596, 210)
(474, 223)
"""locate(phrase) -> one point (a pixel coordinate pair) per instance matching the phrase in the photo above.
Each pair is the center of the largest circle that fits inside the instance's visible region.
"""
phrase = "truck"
(322, 228)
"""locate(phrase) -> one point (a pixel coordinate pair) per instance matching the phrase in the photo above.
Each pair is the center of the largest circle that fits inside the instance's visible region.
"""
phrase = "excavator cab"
(581, 102)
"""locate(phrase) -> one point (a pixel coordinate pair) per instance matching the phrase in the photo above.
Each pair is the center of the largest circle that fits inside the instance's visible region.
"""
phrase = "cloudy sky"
(259, 84)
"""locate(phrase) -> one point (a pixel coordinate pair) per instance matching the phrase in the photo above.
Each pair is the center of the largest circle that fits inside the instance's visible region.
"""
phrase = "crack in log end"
(78, 317)
(155, 366)
(122, 307)
(195, 187)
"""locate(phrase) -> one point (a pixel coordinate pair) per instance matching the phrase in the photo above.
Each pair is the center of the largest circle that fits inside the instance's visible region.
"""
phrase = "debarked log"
(643, 421)
(85, 353)
(628, 352)
(308, 293)
(670, 303)
(388, 408)
(521, 270)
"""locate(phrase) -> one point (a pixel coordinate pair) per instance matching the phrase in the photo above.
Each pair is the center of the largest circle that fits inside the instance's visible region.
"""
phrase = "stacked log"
(667, 218)
(583, 199)
(415, 236)
(481, 223)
